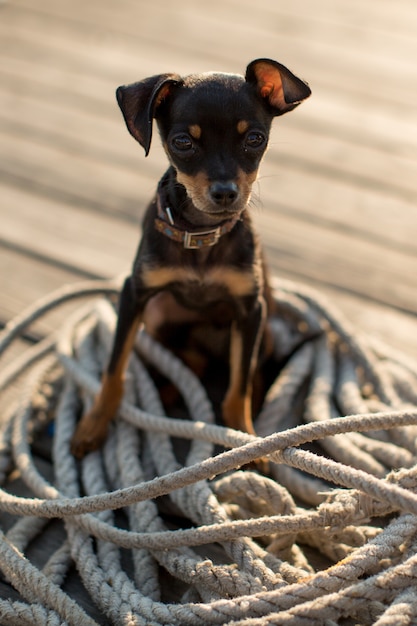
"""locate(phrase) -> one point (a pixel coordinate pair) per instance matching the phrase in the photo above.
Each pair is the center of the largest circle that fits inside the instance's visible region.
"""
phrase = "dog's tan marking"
(246, 179)
(242, 126)
(270, 85)
(237, 283)
(164, 91)
(195, 131)
(197, 188)
(159, 277)
(193, 184)
(236, 406)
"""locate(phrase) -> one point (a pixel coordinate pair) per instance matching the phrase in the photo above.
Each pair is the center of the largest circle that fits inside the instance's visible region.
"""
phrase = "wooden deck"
(336, 203)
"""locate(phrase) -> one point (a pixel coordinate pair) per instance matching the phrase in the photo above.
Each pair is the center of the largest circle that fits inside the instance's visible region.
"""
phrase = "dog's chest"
(197, 288)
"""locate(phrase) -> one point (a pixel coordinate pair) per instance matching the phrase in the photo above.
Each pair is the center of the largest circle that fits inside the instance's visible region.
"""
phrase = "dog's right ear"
(140, 101)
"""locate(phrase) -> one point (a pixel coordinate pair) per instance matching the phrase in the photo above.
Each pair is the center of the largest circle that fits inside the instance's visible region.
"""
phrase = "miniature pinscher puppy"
(199, 261)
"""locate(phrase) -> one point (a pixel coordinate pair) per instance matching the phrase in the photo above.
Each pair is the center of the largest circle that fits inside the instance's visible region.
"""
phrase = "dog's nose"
(224, 193)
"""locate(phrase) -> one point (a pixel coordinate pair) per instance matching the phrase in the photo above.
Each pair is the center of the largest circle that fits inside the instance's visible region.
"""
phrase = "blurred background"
(335, 203)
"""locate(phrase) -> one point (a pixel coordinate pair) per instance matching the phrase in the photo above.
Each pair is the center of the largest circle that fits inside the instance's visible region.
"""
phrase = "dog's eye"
(182, 143)
(254, 139)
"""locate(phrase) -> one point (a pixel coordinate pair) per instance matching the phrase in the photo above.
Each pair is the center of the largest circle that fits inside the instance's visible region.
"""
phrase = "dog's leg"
(244, 347)
(92, 429)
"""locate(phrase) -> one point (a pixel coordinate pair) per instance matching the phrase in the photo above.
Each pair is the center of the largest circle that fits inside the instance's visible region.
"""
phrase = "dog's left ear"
(277, 85)
(140, 101)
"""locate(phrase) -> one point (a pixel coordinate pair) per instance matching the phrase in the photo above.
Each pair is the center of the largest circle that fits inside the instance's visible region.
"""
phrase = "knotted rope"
(331, 535)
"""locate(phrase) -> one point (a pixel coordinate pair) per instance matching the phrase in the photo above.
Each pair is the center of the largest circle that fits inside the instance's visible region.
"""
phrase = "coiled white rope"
(331, 535)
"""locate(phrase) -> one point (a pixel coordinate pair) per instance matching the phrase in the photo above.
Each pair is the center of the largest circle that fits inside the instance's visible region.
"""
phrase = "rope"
(162, 524)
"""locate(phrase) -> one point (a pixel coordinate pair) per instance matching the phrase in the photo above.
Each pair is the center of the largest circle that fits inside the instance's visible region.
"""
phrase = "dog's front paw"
(90, 434)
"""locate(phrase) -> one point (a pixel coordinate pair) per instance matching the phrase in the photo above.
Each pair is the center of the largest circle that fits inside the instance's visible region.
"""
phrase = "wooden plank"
(336, 203)
(361, 165)
(24, 279)
(370, 19)
(79, 179)
(81, 240)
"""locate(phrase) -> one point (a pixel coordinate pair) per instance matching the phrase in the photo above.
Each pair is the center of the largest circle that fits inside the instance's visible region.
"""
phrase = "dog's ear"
(277, 85)
(140, 101)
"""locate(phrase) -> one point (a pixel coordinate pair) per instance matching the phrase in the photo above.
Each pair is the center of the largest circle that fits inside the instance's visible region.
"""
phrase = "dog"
(199, 264)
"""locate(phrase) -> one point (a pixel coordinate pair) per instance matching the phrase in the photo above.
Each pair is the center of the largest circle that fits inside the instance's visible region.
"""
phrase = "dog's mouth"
(214, 214)
(221, 206)
(223, 211)
(218, 199)
(208, 215)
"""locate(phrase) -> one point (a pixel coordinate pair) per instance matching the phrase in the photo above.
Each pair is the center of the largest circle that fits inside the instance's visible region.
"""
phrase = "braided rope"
(335, 524)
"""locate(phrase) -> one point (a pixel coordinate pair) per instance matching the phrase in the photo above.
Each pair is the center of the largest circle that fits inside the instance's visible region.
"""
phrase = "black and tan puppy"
(199, 262)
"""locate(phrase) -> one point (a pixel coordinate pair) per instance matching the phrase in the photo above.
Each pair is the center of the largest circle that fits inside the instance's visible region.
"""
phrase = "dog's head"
(214, 127)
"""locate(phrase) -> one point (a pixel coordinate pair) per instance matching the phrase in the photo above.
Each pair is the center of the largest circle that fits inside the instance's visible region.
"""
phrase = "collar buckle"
(195, 241)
